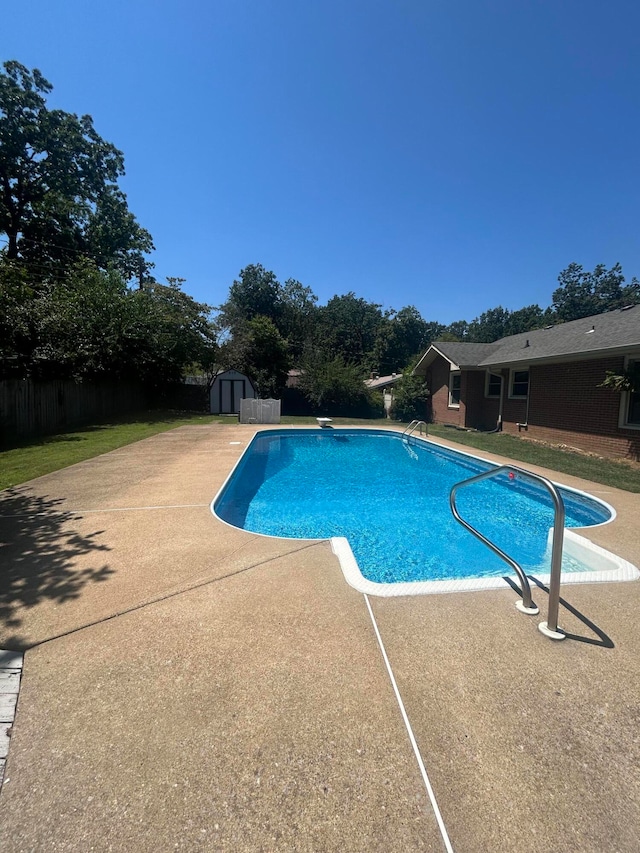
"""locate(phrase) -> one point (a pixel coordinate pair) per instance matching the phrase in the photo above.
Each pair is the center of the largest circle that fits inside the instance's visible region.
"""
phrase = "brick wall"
(475, 410)
(438, 383)
(513, 411)
(481, 412)
(566, 406)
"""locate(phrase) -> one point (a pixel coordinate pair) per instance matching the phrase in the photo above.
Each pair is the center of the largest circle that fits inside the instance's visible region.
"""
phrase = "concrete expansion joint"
(183, 589)
(10, 674)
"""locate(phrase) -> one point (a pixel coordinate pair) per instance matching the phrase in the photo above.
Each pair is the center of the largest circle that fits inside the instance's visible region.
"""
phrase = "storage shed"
(227, 390)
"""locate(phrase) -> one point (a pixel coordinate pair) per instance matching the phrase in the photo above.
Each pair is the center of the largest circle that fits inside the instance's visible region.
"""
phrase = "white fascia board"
(429, 357)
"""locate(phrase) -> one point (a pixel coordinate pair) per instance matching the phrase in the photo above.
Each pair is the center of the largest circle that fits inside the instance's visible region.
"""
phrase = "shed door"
(231, 392)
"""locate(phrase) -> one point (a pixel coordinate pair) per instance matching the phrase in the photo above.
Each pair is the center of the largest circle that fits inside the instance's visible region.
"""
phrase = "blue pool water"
(390, 499)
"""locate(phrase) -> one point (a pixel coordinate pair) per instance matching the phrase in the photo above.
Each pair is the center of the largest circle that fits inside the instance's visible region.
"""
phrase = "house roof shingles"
(464, 355)
(615, 331)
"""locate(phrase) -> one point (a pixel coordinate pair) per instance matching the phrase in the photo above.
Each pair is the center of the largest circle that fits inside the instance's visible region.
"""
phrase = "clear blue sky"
(454, 155)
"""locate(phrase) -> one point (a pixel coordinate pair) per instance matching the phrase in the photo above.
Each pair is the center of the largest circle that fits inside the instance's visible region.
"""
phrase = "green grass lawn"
(38, 456)
(27, 460)
(609, 472)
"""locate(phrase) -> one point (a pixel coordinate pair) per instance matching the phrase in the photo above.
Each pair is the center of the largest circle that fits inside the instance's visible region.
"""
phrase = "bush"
(332, 385)
(411, 399)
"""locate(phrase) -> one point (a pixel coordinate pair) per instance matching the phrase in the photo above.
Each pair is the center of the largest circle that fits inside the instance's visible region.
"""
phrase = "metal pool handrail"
(527, 605)
(413, 426)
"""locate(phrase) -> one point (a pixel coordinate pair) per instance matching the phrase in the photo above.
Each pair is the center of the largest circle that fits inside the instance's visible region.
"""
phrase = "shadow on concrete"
(39, 558)
(164, 596)
(603, 640)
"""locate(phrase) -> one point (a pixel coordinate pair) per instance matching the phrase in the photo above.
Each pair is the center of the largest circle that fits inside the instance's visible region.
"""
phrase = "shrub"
(336, 386)
(411, 399)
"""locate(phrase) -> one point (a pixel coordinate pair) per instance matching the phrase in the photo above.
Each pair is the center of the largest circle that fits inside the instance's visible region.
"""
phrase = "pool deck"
(189, 686)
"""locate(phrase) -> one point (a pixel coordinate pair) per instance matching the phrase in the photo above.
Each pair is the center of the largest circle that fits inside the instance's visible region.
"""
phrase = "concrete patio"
(189, 686)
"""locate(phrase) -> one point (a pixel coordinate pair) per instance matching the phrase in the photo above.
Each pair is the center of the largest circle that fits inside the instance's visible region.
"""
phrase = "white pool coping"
(608, 567)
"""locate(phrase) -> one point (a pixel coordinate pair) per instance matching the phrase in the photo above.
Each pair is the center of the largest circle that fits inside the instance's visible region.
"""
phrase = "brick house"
(544, 383)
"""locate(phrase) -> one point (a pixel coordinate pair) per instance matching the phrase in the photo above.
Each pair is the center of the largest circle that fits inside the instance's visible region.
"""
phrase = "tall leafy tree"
(166, 331)
(489, 326)
(59, 195)
(499, 323)
(347, 326)
(400, 337)
(456, 331)
(258, 349)
(582, 293)
(298, 315)
(528, 318)
(257, 292)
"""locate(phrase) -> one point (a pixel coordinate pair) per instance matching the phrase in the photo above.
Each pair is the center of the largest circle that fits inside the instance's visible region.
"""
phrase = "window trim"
(625, 398)
(512, 375)
(454, 374)
(487, 381)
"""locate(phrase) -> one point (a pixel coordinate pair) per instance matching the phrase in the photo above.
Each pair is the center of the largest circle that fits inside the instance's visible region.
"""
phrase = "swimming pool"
(389, 500)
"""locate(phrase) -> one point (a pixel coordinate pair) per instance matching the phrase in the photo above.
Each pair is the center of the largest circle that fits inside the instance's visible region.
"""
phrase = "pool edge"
(619, 570)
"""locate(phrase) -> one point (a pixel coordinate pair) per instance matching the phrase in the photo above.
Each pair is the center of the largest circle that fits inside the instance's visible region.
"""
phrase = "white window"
(633, 408)
(493, 384)
(519, 384)
(454, 390)
(630, 402)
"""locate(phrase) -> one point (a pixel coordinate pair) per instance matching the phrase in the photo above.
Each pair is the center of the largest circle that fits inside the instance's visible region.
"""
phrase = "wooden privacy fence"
(30, 408)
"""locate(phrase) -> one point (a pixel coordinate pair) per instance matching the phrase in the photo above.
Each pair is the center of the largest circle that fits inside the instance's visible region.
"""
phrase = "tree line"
(78, 298)
(266, 328)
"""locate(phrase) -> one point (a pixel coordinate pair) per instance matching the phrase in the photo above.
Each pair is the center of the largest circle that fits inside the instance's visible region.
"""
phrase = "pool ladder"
(526, 604)
(413, 426)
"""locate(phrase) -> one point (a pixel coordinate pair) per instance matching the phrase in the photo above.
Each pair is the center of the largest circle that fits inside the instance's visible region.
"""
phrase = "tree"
(257, 293)
(456, 331)
(16, 322)
(331, 384)
(583, 293)
(298, 315)
(114, 239)
(58, 179)
(347, 327)
(400, 337)
(166, 331)
(528, 318)
(499, 323)
(490, 326)
(80, 320)
(87, 324)
(259, 350)
(410, 398)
